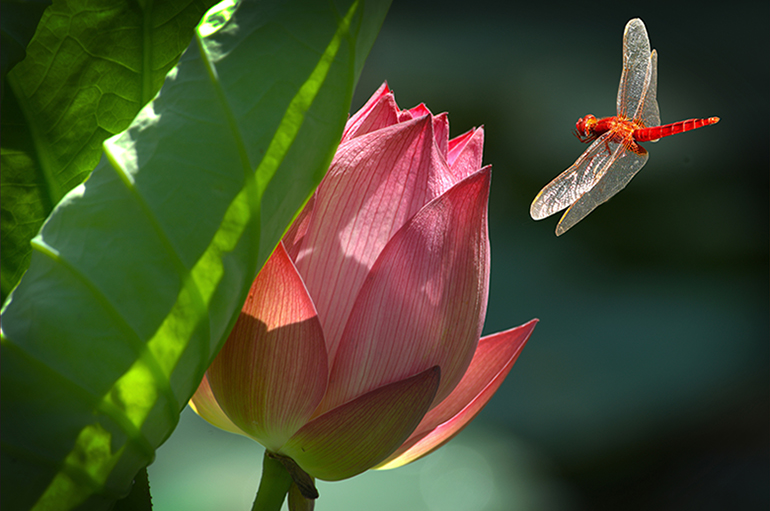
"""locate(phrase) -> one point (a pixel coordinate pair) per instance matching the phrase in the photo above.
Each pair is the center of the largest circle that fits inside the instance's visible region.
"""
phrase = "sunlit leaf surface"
(139, 272)
(88, 71)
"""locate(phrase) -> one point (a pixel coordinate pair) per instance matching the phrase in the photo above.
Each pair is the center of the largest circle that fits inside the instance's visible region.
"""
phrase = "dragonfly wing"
(568, 186)
(625, 165)
(648, 111)
(639, 71)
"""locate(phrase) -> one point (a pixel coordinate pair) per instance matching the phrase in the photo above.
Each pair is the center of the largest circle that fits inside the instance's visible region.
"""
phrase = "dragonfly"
(615, 154)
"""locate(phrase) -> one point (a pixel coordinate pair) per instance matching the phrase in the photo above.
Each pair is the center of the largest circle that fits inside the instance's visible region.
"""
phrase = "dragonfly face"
(584, 128)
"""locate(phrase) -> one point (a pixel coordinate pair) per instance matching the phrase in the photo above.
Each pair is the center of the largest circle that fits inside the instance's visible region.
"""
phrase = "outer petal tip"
(378, 112)
(491, 363)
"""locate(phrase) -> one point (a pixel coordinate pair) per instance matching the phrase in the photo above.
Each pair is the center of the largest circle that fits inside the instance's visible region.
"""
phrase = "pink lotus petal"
(405, 115)
(272, 371)
(359, 434)
(457, 144)
(379, 112)
(376, 183)
(361, 114)
(423, 302)
(441, 135)
(465, 153)
(491, 364)
(419, 111)
(205, 404)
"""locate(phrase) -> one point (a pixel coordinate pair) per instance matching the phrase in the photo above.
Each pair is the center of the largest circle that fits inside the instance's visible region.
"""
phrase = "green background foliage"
(139, 272)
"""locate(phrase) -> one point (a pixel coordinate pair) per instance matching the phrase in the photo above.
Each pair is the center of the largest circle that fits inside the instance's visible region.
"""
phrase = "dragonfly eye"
(585, 125)
(584, 128)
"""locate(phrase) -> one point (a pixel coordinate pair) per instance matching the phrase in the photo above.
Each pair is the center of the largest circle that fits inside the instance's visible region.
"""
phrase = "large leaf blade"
(139, 273)
(89, 69)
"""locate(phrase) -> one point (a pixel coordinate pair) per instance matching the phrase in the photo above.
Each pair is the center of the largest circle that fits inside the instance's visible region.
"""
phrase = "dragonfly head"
(584, 128)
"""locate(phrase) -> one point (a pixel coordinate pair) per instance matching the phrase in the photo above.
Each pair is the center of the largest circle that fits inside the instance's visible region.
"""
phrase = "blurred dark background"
(646, 384)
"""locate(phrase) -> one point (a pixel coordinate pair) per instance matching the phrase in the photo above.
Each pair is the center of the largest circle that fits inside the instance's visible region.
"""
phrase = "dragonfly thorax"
(589, 128)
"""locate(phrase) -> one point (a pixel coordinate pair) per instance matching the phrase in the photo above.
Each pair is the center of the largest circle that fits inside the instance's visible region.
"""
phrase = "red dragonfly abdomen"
(656, 132)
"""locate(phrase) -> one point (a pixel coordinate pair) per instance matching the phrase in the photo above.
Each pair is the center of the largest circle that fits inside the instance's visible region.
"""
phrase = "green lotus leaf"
(87, 72)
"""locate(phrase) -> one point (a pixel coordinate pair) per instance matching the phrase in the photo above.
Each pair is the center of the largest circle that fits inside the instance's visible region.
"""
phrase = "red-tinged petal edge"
(491, 364)
(379, 112)
(457, 144)
(466, 152)
(205, 404)
(441, 134)
(419, 111)
(361, 433)
(423, 303)
(272, 371)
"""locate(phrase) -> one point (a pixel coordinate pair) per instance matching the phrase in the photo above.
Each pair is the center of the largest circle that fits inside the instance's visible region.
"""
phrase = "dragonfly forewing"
(636, 64)
(571, 184)
(626, 164)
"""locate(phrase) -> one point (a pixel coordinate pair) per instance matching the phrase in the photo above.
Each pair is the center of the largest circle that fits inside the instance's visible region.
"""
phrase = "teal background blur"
(645, 385)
